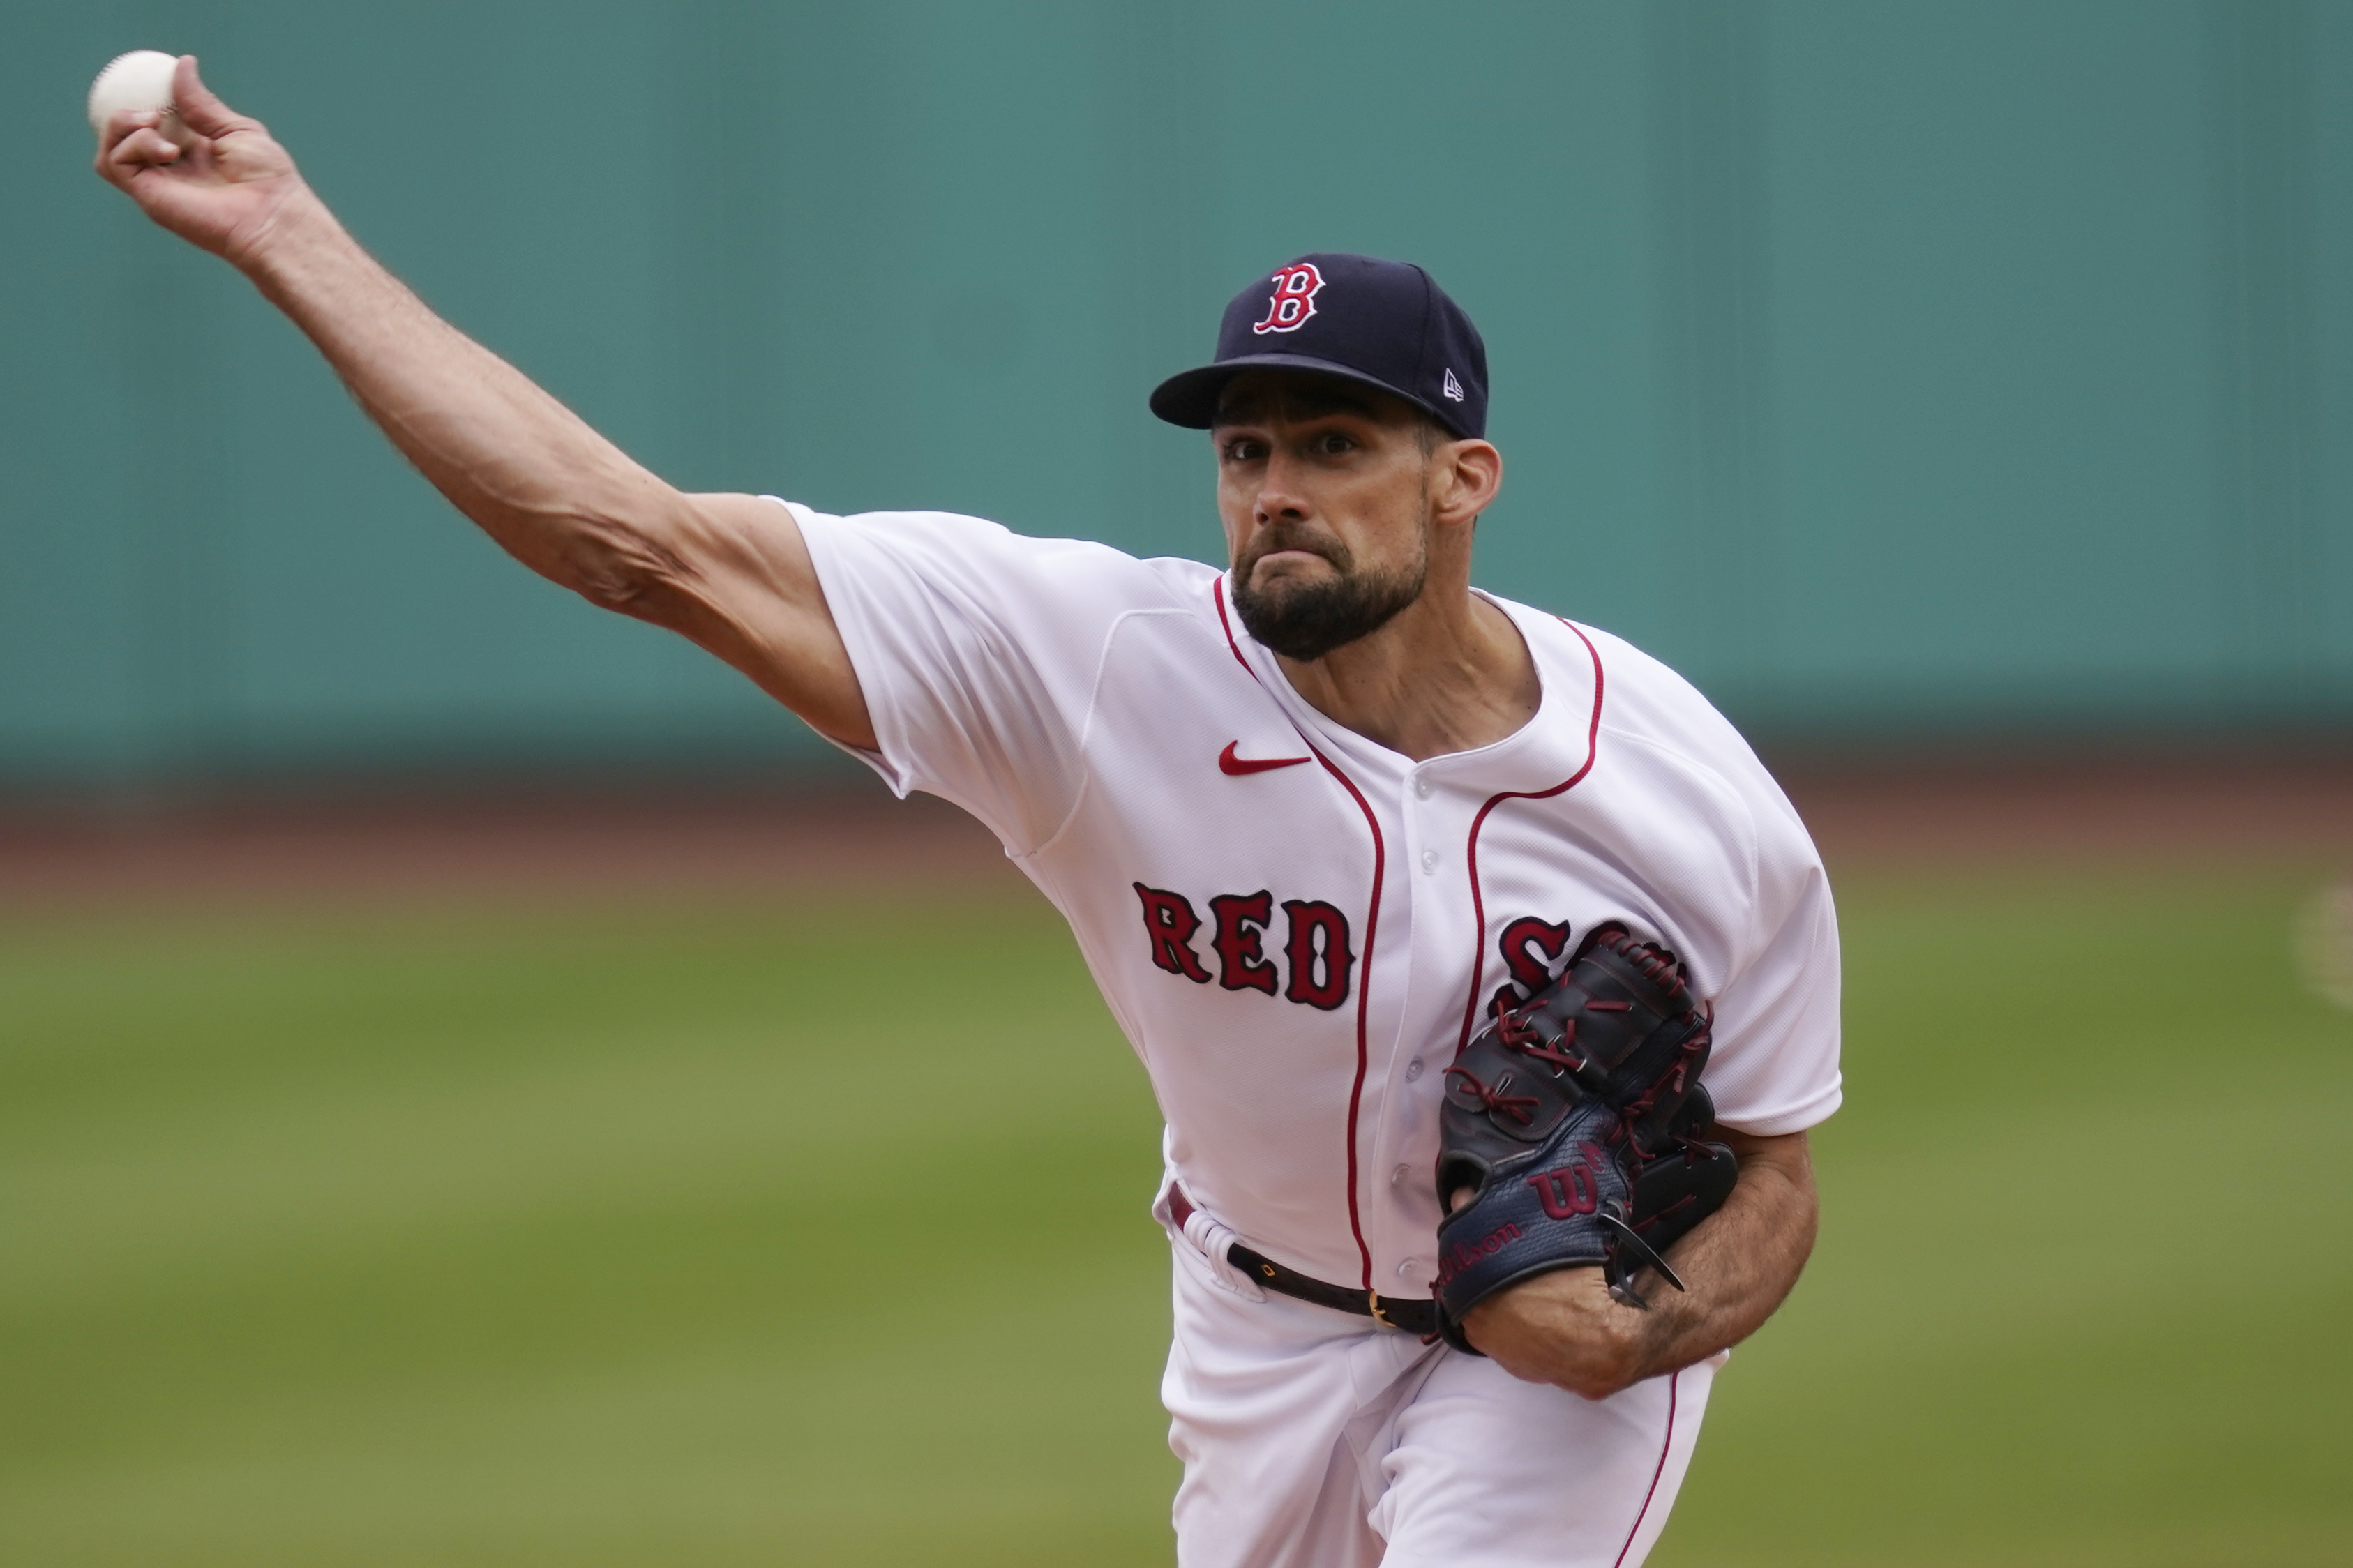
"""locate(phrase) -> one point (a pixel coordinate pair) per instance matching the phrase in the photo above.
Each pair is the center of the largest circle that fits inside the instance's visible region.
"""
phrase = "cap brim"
(1189, 398)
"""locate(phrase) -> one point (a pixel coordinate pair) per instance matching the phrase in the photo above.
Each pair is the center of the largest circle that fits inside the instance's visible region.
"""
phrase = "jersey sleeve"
(1775, 1065)
(1759, 921)
(976, 649)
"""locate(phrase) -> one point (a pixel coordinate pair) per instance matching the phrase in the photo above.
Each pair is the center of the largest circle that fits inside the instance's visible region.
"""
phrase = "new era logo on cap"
(1383, 323)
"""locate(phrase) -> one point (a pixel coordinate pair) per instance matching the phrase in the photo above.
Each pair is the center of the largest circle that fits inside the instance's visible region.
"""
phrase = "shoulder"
(1652, 712)
(971, 567)
(1623, 692)
(1647, 700)
(1644, 701)
(1674, 764)
(948, 537)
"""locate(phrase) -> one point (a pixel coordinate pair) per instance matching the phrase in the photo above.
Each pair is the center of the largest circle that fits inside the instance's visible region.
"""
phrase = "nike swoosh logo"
(1236, 767)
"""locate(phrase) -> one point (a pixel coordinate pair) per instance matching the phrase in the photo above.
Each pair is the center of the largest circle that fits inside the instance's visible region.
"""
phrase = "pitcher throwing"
(1365, 861)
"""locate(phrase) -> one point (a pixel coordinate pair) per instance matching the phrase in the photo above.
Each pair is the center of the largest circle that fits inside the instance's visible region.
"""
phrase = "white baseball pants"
(1313, 1438)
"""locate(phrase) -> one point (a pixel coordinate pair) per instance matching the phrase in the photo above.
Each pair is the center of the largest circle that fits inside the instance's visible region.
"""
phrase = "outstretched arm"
(1739, 1263)
(729, 571)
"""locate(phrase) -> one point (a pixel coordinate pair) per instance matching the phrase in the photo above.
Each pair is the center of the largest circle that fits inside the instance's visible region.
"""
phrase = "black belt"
(1413, 1314)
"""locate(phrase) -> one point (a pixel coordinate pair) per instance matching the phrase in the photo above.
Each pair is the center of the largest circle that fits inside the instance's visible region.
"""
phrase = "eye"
(1243, 449)
(1332, 443)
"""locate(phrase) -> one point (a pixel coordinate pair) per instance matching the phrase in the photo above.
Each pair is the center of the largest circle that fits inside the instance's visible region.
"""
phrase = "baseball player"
(1354, 850)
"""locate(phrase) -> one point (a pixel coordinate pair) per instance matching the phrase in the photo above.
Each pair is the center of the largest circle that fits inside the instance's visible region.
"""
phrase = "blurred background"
(432, 1124)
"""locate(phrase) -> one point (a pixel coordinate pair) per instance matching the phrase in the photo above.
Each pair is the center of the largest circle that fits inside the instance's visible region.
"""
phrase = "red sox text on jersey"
(1315, 952)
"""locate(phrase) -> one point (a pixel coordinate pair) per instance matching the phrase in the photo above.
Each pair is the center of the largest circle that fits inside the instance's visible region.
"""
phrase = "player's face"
(1323, 487)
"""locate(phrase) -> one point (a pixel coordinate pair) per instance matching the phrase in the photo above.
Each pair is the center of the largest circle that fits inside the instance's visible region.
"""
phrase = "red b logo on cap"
(1294, 299)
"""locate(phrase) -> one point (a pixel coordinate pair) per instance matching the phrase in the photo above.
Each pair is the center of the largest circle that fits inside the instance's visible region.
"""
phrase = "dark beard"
(1307, 621)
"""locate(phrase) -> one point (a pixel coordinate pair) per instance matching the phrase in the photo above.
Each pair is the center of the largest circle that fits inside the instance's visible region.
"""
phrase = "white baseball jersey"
(1295, 927)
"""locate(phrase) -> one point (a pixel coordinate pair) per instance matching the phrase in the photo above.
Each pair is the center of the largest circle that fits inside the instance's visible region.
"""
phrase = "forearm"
(553, 492)
(1737, 1267)
(731, 572)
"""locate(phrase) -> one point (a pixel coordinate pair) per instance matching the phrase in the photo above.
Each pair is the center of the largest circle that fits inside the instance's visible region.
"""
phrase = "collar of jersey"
(1531, 757)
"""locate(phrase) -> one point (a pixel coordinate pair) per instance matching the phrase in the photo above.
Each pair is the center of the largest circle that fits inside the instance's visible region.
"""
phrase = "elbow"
(620, 569)
(620, 587)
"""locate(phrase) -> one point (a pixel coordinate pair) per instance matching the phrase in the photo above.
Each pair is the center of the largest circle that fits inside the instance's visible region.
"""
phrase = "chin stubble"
(1306, 621)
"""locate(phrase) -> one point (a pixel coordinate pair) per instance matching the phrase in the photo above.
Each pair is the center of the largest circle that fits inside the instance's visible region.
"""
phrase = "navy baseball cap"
(1384, 323)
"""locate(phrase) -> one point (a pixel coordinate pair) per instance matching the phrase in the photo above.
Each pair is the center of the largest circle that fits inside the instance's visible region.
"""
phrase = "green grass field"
(557, 1236)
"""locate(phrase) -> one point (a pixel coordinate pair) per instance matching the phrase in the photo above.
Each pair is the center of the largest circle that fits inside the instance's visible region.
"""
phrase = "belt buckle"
(1373, 1304)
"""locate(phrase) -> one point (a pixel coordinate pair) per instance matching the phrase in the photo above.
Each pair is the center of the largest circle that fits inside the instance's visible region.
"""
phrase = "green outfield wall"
(1892, 370)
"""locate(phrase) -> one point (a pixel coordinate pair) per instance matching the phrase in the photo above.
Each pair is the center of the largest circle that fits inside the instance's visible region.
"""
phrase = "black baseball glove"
(1576, 1120)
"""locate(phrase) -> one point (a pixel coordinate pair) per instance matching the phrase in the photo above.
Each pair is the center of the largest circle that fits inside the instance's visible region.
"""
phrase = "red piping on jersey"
(1218, 591)
(1478, 900)
(1372, 929)
(1666, 1448)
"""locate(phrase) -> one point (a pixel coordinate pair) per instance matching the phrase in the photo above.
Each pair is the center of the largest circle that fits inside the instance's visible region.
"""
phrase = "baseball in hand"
(140, 79)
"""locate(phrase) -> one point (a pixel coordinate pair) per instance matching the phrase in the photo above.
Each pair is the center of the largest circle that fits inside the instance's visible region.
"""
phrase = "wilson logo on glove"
(1573, 1189)
(1465, 1254)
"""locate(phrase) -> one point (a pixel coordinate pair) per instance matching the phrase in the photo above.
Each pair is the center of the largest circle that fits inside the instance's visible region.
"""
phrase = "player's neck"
(1450, 673)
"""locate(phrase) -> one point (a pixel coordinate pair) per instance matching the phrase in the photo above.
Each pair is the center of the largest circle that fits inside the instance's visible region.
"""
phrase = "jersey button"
(1413, 1069)
(1429, 860)
(1422, 788)
(1409, 1269)
(1396, 1177)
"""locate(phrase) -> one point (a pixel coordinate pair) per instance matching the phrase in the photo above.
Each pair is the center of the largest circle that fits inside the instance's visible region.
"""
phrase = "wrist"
(296, 229)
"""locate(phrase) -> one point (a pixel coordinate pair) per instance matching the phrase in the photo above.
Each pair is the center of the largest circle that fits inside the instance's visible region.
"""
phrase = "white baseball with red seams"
(1297, 928)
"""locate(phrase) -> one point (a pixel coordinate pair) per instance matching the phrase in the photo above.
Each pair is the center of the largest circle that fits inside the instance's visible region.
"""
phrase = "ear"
(1464, 479)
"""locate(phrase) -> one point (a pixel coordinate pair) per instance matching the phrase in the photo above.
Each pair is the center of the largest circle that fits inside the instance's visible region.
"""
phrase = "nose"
(1278, 498)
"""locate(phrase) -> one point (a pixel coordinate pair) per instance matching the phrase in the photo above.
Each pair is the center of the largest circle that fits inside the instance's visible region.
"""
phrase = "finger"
(200, 110)
(121, 123)
(144, 147)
